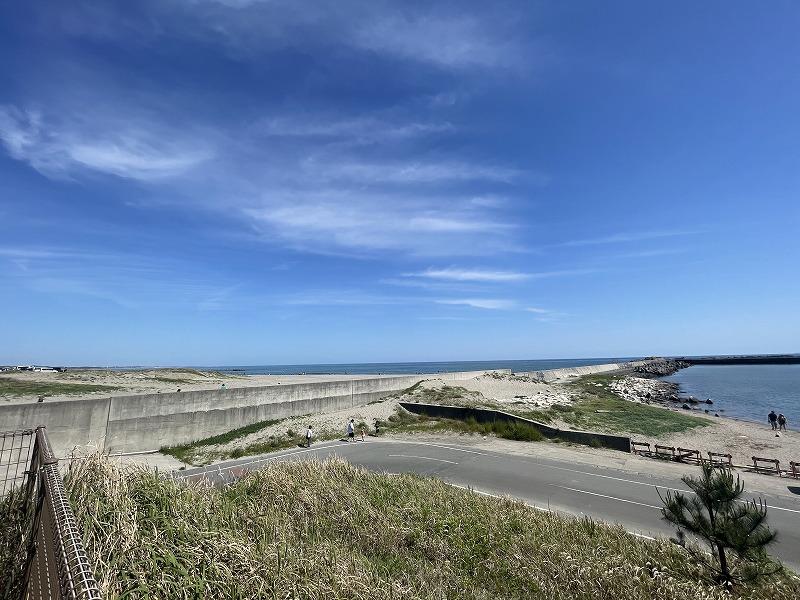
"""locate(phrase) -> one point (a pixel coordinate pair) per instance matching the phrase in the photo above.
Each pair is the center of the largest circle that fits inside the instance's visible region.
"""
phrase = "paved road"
(611, 495)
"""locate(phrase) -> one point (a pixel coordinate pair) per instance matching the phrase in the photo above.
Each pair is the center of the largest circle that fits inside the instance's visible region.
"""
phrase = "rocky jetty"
(650, 390)
(660, 367)
(645, 389)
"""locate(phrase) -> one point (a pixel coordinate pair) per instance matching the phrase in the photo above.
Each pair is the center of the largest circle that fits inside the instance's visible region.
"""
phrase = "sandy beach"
(722, 435)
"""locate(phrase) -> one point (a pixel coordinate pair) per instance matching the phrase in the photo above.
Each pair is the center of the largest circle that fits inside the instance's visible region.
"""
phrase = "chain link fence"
(42, 551)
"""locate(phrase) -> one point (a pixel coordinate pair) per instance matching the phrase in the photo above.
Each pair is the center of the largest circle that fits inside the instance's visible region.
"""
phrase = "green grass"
(512, 431)
(170, 379)
(332, 530)
(599, 409)
(196, 453)
(16, 388)
(596, 408)
(446, 394)
(12, 529)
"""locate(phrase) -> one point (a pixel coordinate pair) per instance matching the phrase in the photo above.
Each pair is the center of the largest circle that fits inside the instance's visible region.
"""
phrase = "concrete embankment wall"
(148, 422)
(461, 413)
(556, 374)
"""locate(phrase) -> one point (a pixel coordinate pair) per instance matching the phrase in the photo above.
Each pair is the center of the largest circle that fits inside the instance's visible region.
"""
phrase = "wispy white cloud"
(453, 274)
(622, 238)
(125, 279)
(127, 147)
(346, 218)
(651, 253)
(415, 172)
(343, 297)
(544, 315)
(487, 303)
(447, 38)
(361, 129)
(453, 41)
(451, 224)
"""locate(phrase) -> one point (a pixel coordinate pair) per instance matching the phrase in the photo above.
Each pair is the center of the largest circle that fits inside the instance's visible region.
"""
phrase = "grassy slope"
(332, 530)
(597, 408)
(14, 388)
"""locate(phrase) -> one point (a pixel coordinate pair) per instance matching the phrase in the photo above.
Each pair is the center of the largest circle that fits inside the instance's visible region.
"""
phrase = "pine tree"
(716, 513)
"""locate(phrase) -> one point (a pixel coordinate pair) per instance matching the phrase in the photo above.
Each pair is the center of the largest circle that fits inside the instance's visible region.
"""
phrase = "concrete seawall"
(148, 422)
(556, 374)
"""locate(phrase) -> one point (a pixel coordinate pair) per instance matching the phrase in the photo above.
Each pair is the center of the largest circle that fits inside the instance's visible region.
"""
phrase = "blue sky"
(228, 182)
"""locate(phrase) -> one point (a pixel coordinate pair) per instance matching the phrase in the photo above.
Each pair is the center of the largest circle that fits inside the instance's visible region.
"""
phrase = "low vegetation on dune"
(224, 446)
(332, 530)
(596, 407)
(17, 388)
(446, 394)
(599, 408)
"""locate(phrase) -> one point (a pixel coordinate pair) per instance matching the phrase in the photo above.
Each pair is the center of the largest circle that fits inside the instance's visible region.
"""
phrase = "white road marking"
(780, 508)
(604, 496)
(421, 457)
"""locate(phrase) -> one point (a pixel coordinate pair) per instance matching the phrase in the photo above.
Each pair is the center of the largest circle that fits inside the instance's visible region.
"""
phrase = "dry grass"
(332, 530)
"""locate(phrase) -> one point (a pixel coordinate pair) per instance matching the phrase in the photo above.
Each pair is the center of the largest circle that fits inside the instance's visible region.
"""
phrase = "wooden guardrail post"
(688, 454)
(719, 459)
(760, 468)
(662, 450)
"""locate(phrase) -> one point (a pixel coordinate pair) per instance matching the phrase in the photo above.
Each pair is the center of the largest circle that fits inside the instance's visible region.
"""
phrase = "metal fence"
(51, 560)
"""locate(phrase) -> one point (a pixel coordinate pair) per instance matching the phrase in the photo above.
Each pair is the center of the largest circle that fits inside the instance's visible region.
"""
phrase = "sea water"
(745, 392)
(410, 368)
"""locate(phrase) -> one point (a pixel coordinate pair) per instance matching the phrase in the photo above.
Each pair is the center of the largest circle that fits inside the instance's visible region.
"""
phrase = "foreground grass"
(332, 530)
(14, 388)
(13, 508)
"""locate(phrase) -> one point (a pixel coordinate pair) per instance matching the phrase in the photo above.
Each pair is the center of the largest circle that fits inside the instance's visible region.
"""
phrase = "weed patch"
(15, 388)
(192, 453)
(600, 409)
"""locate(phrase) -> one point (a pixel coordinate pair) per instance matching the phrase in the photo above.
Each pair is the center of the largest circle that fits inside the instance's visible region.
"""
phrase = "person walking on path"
(773, 419)
(309, 435)
(351, 431)
(781, 422)
(363, 435)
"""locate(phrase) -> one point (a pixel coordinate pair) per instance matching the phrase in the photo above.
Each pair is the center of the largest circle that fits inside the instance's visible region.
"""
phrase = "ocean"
(409, 368)
(746, 392)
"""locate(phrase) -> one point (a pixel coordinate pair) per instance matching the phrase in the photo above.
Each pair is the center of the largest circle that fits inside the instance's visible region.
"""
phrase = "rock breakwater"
(654, 367)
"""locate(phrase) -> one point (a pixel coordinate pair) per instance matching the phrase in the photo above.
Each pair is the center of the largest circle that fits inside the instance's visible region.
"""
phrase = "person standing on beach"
(773, 419)
(781, 422)
(309, 435)
(351, 431)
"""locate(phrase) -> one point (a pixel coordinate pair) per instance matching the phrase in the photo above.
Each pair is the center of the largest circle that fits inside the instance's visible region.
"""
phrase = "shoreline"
(741, 438)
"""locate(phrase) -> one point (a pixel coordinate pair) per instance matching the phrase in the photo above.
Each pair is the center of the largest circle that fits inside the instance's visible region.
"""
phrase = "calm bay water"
(745, 391)
(406, 368)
